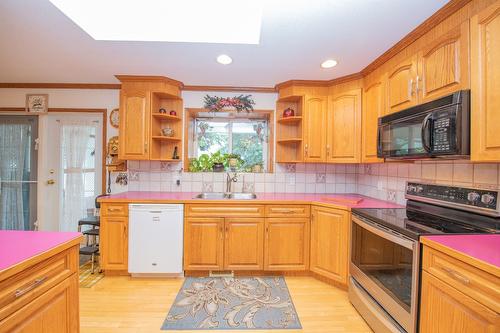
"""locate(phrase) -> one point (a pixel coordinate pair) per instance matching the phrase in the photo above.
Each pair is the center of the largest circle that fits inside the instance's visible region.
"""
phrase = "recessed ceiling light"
(168, 21)
(224, 59)
(329, 63)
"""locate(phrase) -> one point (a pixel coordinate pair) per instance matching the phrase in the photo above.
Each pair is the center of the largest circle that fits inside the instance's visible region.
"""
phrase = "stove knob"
(487, 199)
(419, 189)
(473, 196)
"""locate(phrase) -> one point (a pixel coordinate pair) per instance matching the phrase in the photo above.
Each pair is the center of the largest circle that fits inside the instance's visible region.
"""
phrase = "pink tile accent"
(366, 202)
(18, 246)
(482, 247)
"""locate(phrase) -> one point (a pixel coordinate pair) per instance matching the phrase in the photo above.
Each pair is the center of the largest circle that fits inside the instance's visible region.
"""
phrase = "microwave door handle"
(379, 142)
(426, 132)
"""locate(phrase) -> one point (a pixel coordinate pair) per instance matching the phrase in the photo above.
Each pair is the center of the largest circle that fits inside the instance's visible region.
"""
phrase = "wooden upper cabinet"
(373, 108)
(329, 243)
(446, 309)
(244, 244)
(114, 242)
(401, 85)
(344, 127)
(203, 243)
(444, 65)
(315, 114)
(485, 84)
(134, 125)
(287, 244)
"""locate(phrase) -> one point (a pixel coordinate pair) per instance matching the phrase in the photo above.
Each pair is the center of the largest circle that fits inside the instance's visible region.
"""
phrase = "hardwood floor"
(122, 304)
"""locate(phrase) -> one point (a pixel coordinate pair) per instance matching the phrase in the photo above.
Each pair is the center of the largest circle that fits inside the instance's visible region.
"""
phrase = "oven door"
(386, 264)
(408, 137)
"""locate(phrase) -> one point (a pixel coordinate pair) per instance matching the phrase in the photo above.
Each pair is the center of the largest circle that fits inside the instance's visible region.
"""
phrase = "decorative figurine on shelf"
(122, 179)
(175, 155)
(162, 111)
(173, 113)
(288, 112)
(167, 131)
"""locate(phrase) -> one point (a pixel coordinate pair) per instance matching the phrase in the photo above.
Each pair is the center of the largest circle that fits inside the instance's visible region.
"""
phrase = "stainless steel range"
(385, 248)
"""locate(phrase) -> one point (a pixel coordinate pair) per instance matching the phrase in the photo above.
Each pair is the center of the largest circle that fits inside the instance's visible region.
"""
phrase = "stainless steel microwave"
(440, 128)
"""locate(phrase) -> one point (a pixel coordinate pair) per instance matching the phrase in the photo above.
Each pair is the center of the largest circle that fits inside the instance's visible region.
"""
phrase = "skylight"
(196, 21)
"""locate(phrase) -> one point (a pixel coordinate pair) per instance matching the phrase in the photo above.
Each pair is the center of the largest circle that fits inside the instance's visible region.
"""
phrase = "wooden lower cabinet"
(56, 311)
(446, 309)
(287, 244)
(114, 243)
(204, 243)
(329, 243)
(244, 244)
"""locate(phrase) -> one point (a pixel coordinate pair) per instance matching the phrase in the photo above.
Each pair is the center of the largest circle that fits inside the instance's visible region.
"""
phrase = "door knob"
(51, 182)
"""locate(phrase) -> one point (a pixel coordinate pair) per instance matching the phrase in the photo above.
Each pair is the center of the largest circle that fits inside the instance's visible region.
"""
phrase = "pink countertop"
(182, 197)
(485, 248)
(18, 246)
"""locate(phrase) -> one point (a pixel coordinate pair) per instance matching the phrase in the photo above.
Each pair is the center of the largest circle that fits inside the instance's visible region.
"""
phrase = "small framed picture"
(37, 103)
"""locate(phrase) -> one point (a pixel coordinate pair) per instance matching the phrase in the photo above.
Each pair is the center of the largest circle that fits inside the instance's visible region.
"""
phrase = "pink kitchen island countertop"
(335, 200)
(481, 250)
(17, 247)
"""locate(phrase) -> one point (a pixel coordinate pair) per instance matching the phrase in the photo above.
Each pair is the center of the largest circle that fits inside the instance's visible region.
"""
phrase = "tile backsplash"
(382, 181)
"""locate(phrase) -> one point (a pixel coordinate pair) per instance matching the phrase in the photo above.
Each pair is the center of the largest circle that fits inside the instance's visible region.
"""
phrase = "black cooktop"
(420, 218)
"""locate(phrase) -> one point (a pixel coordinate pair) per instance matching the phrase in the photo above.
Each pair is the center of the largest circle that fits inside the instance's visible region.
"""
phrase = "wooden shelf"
(166, 160)
(163, 116)
(290, 120)
(166, 138)
(289, 140)
(290, 99)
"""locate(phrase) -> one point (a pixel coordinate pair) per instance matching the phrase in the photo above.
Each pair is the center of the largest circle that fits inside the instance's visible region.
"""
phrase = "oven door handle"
(385, 233)
(426, 132)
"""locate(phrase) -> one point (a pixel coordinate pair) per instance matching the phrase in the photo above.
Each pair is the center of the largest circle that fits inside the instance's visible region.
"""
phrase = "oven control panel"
(474, 199)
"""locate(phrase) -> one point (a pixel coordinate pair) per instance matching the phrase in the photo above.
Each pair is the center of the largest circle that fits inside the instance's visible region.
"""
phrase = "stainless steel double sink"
(223, 196)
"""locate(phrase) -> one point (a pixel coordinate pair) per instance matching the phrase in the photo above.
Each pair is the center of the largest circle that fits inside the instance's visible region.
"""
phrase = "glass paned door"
(18, 172)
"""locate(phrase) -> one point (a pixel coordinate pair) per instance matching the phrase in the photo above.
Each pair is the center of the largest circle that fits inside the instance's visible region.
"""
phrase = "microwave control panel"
(443, 130)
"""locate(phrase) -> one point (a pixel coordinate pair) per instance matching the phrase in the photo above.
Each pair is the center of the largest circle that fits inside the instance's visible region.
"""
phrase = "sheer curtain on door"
(75, 157)
(15, 140)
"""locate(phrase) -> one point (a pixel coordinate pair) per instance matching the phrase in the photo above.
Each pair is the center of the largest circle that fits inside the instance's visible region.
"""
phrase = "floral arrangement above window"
(239, 103)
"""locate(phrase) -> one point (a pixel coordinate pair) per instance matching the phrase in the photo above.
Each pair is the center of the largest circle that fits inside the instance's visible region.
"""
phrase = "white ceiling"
(38, 43)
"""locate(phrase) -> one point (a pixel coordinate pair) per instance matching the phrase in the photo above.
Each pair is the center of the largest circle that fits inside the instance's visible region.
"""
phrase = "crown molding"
(46, 85)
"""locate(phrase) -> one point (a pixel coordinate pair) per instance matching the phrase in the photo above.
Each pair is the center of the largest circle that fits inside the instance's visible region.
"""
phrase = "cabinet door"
(485, 83)
(372, 109)
(114, 242)
(344, 127)
(203, 243)
(56, 311)
(287, 244)
(244, 244)
(445, 309)
(315, 114)
(134, 125)
(329, 243)
(444, 65)
(401, 86)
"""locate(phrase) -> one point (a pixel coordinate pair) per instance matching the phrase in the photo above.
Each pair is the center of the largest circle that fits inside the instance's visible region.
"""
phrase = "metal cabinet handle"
(286, 211)
(410, 88)
(267, 232)
(416, 84)
(33, 285)
(327, 150)
(306, 151)
(456, 275)
(114, 209)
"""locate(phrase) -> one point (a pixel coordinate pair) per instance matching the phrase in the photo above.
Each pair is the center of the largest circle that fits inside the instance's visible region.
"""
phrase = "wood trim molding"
(438, 17)
(42, 85)
(149, 78)
(229, 88)
(319, 83)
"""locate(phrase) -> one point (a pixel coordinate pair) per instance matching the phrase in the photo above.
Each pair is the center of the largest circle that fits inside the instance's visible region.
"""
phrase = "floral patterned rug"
(233, 303)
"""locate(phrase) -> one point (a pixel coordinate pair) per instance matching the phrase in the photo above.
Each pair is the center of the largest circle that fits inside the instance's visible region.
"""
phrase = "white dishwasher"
(155, 239)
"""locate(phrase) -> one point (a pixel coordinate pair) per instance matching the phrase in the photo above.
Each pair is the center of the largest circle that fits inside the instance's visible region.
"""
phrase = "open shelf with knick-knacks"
(289, 129)
(166, 127)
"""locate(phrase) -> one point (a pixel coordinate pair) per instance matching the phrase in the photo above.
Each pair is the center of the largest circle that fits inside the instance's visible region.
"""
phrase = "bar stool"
(91, 248)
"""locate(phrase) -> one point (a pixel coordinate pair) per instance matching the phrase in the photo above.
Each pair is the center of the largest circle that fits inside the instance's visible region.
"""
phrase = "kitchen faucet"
(229, 180)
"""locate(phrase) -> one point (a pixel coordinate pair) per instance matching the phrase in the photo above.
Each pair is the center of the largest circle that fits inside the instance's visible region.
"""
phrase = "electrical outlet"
(391, 196)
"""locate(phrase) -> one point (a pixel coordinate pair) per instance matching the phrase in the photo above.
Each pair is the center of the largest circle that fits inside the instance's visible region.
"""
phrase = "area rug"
(232, 303)
(87, 279)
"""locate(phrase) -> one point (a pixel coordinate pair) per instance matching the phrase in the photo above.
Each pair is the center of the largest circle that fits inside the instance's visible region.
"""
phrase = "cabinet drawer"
(478, 284)
(25, 286)
(288, 211)
(114, 210)
(224, 210)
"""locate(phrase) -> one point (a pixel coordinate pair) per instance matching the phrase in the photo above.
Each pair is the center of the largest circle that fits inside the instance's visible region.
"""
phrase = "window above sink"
(212, 137)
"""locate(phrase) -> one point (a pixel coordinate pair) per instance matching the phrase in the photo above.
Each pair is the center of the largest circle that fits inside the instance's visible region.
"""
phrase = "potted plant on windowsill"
(217, 160)
(233, 160)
